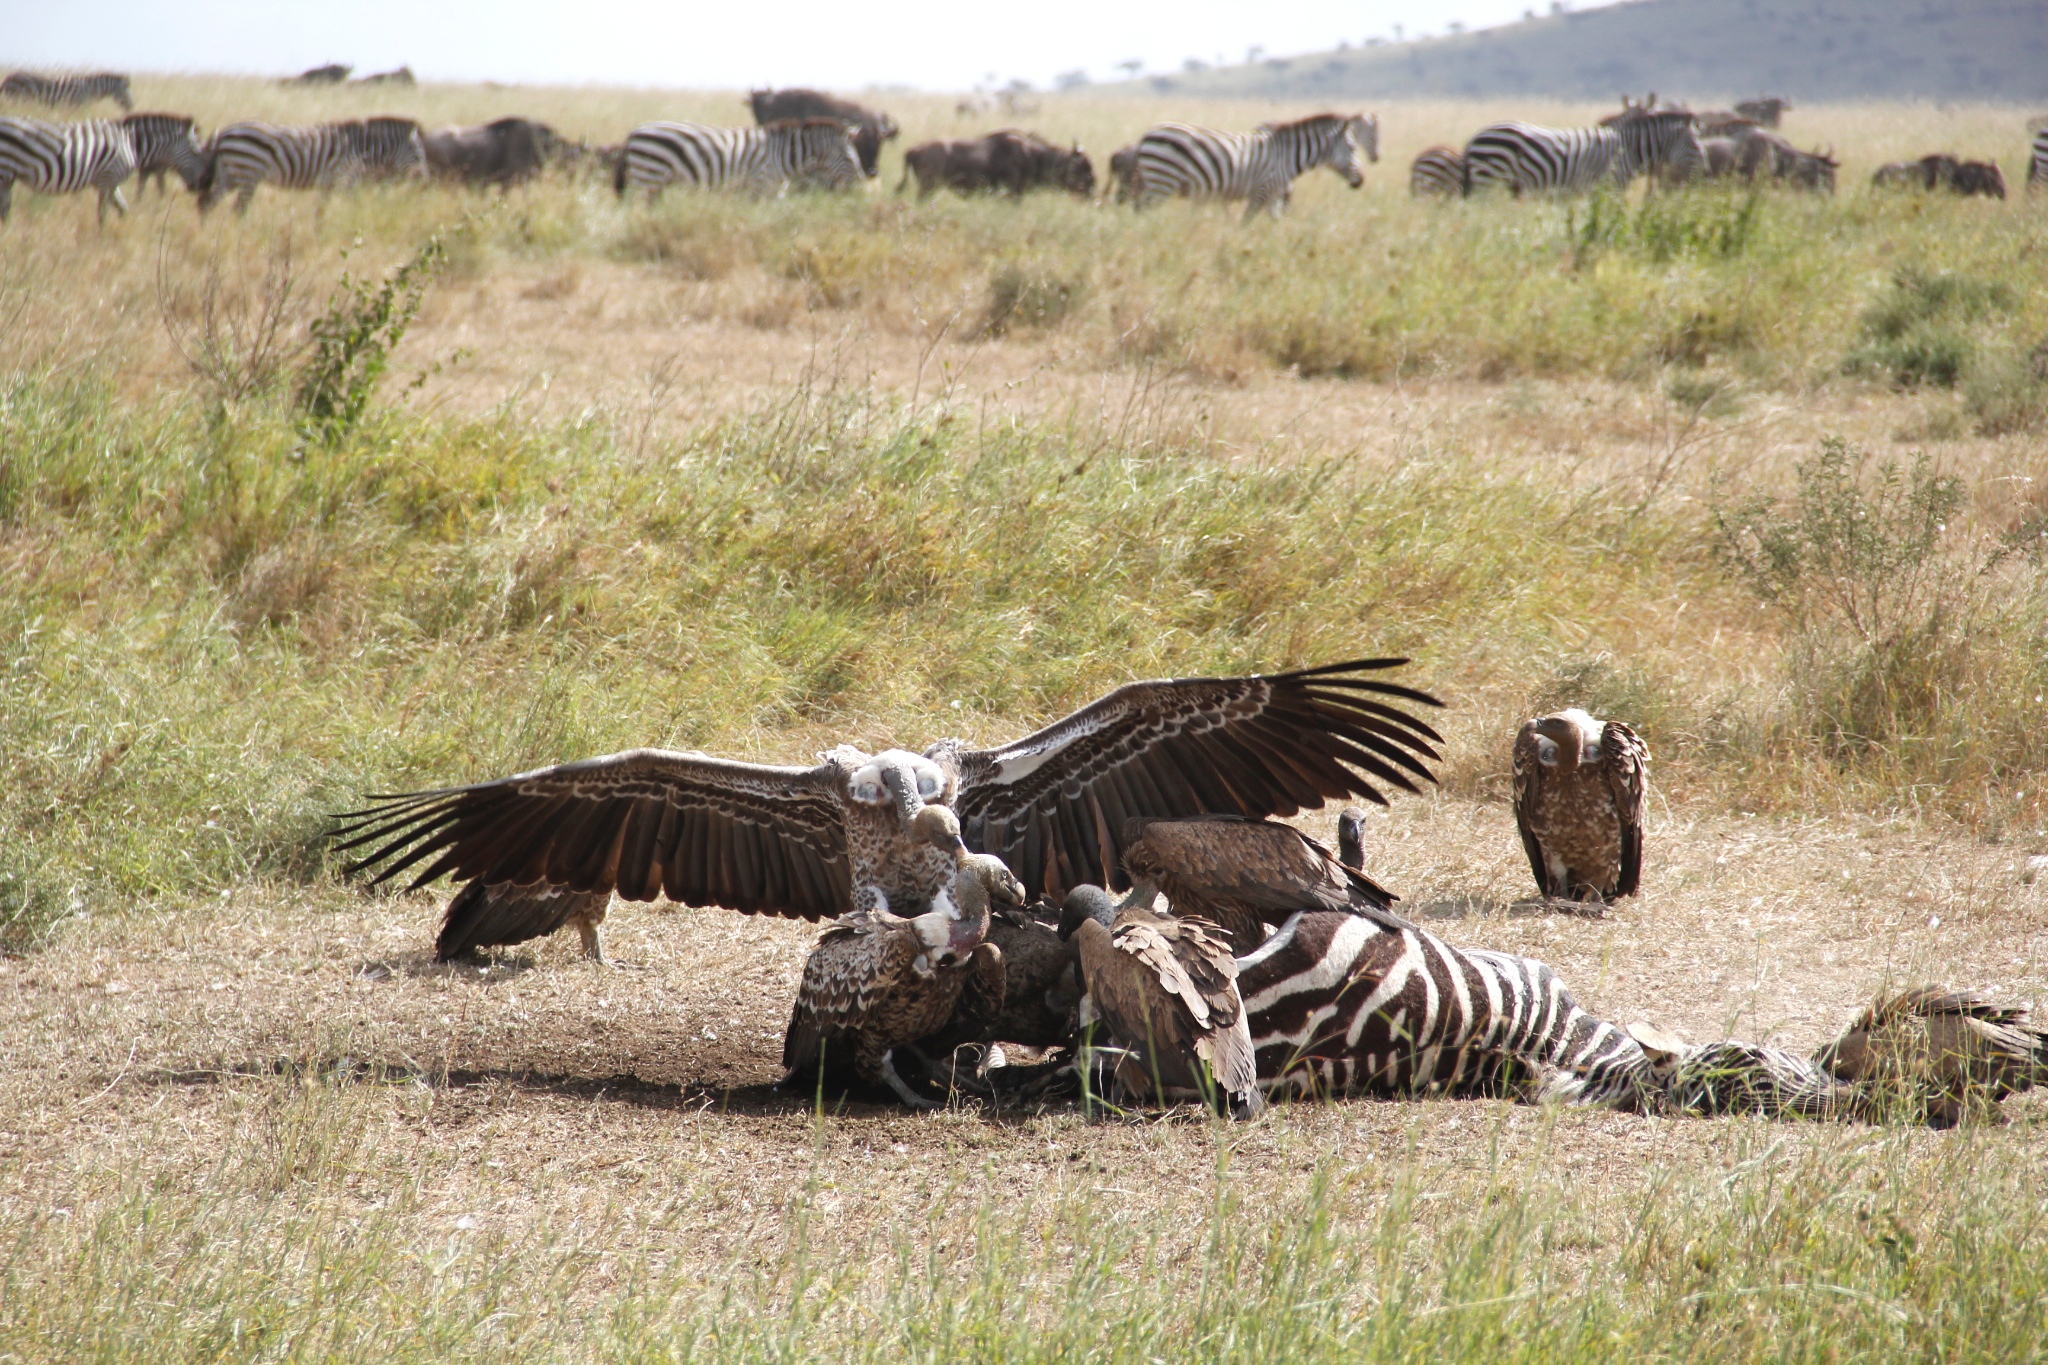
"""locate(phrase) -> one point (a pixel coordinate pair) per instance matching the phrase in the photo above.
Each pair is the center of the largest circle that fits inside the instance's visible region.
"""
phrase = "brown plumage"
(1166, 988)
(482, 915)
(877, 982)
(1953, 1051)
(822, 841)
(1580, 788)
(1243, 875)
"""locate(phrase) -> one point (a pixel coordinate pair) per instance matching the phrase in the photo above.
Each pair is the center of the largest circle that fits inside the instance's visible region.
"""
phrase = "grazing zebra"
(2037, 165)
(1438, 172)
(163, 143)
(761, 161)
(1662, 142)
(1339, 1004)
(245, 155)
(1257, 167)
(62, 158)
(59, 91)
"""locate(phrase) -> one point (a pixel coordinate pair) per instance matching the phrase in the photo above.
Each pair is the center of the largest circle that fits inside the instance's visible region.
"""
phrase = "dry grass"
(758, 477)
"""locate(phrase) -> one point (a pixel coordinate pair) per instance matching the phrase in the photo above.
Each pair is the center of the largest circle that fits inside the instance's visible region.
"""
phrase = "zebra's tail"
(209, 160)
(619, 175)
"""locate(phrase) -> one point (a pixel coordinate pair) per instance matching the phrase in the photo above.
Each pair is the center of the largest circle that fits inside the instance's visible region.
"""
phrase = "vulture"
(1245, 875)
(489, 915)
(876, 983)
(1580, 786)
(835, 839)
(1954, 1051)
(1167, 990)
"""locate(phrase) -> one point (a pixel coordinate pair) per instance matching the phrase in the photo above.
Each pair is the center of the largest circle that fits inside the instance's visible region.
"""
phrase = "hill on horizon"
(1992, 50)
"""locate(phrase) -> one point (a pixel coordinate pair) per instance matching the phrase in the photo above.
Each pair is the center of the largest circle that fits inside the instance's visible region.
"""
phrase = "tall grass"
(301, 1241)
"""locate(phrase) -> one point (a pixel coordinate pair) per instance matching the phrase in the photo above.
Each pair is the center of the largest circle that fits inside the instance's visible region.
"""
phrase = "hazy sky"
(848, 43)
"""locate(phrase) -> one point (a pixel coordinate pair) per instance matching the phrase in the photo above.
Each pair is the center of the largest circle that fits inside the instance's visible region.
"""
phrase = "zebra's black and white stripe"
(1258, 167)
(1438, 172)
(62, 158)
(1339, 1005)
(245, 155)
(1662, 143)
(163, 143)
(1526, 157)
(2037, 165)
(61, 91)
(766, 161)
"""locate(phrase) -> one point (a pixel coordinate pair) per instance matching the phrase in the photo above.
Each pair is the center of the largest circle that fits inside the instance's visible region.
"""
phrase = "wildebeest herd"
(807, 139)
(977, 949)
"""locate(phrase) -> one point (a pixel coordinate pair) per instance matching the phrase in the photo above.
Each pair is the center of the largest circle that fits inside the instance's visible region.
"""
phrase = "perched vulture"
(1243, 875)
(482, 915)
(834, 839)
(1580, 785)
(1351, 838)
(1954, 1051)
(876, 983)
(1167, 990)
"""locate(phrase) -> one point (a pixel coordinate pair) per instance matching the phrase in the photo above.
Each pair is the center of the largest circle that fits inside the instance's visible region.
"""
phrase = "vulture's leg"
(887, 1068)
(589, 926)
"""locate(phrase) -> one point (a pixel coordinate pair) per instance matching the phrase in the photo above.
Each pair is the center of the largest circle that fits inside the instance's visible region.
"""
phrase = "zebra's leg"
(245, 197)
(114, 196)
(6, 197)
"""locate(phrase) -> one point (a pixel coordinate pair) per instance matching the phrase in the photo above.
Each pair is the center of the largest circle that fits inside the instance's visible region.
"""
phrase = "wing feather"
(705, 831)
(1254, 746)
(1626, 759)
(1528, 774)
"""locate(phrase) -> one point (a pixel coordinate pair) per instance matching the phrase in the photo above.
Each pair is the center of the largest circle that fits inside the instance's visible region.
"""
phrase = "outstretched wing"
(1625, 759)
(1053, 804)
(1528, 785)
(646, 823)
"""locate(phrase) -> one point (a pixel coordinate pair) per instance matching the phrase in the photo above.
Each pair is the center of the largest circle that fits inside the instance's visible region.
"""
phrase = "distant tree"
(1131, 67)
(1253, 53)
(1070, 80)
(1194, 64)
(1456, 27)
(1398, 32)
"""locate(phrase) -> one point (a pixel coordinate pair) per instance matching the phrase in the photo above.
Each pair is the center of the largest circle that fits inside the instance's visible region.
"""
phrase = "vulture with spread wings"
(835, 839)
(1580, 789)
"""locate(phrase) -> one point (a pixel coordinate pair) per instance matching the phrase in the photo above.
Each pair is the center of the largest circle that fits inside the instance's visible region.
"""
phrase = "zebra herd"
(833, 144)
(1676, 145)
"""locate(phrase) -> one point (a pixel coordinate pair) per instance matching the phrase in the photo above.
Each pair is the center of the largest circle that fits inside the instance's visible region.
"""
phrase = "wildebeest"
(1759, 151)
(1720, 153)
(501, 153)
(1978, 177)
(1010, 160)
(871, 127)
(1943, 171)
(1766, 110)
(334, 73)
(402, 76)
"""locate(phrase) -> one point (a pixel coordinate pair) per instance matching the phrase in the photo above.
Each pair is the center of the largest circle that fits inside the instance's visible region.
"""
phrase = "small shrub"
(1705, 223)
(1919, 330)
(353, 341)
(1018, 297)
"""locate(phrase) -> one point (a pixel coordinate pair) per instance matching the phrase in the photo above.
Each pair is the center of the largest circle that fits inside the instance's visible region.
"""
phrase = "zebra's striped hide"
(1339, 1005)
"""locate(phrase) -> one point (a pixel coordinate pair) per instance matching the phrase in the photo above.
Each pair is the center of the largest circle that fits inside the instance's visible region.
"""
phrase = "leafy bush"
(1919, 330)
(1703, 222)
(1911, 648)
(353, 341)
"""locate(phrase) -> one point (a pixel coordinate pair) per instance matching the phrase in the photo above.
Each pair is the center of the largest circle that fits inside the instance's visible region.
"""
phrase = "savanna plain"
(1761, 474)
